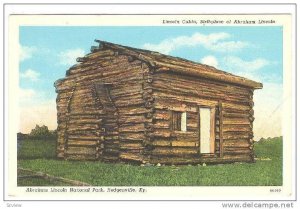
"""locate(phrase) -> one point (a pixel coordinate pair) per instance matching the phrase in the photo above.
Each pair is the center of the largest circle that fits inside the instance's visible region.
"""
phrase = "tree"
(42, 132)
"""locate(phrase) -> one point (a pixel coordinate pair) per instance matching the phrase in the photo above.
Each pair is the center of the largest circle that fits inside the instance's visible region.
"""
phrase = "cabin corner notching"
(122, 104)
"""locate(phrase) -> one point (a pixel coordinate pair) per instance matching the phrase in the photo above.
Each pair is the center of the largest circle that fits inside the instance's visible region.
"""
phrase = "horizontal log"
(84, 100)
(84, 117)
(226, 105)
(194, 92)
(87, 112)
(181, 99)
(160, 133)
(125, 81)
(127, 102)
(132, 128)
(174, 151)
(237, 135)
(82, 133)
(175, 143)
(131, 146)
(200, 83)
(204, 73)
(110, 150)
(84, 143)
(181, 106)
(113, 132)
(236, 121)
(131, 157)
(82, 109)
(175, 160)
(131, 136)
(122, 90)
(192, 116)
(133, 119)
(110, 74)
(100, 53)
(235, 151)
(192, 124)
(65, 85)
(133, 110)
(236, 128)
(80, 150)
(84, 126)
(111, 143)
(99, 64)
(239, 143)
(161, 124)
(123, 77)
(185, 135)
(162, 143)
(85, 121)
(110, 137)
(87, 138)
(161, 115)
(184, 144)
(134, 97)
(235, 115)
(192, 129)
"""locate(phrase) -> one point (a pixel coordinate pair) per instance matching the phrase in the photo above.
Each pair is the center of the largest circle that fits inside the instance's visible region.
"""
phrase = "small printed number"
(275, 190)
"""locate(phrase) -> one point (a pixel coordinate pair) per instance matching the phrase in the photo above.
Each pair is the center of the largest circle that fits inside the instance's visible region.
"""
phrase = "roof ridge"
(154, 57)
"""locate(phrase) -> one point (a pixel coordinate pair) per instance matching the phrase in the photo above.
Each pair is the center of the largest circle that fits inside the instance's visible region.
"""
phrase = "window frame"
(177, 126)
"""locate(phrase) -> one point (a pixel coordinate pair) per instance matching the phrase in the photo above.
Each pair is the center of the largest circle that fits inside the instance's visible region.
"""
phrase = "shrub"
(42, 133)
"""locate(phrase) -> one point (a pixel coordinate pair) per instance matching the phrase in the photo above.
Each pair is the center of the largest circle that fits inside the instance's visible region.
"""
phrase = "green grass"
(267, 171)
(36, 181)
(39, 182)
(37, 149)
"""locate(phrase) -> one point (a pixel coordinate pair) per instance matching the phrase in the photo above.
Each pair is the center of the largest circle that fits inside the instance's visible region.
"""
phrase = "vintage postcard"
(186, 106)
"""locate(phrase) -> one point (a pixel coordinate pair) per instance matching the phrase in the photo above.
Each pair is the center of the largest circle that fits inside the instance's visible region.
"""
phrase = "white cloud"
(238, 63)
(26, 52)
(68, 57)
(210, 60)
(30, 97)
(249, 69)
(26, 94)
(228, 46)
(30, 74)
(214, 42)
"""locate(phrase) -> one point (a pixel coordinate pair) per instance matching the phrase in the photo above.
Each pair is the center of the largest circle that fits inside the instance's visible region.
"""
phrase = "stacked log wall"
(234, 117)
(128, 93)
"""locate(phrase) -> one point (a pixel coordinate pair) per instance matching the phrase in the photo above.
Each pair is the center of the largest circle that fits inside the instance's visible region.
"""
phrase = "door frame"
(212, 127)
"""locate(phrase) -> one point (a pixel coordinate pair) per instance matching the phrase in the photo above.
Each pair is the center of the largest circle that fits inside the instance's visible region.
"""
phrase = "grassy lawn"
(34, 149)
(267, 171)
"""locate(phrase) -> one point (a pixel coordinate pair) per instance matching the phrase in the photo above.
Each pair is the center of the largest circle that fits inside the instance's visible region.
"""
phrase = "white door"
(206, 132)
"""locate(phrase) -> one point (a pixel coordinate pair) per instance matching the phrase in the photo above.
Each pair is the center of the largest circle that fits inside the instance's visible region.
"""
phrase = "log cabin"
(123, 104)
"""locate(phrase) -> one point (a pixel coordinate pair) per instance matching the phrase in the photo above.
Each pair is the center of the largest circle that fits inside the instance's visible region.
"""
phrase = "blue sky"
(253, 52)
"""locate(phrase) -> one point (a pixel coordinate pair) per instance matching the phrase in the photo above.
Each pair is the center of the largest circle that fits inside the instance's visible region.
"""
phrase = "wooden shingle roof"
(179, 65)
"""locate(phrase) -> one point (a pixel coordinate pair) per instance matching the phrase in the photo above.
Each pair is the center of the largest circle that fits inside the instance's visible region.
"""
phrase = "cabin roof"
(178, 65)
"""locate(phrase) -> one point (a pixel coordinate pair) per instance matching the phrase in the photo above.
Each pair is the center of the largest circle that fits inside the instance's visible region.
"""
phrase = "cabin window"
(179, 121)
